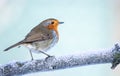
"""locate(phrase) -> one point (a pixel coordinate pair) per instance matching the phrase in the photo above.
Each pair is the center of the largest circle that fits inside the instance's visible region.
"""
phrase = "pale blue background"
(87, 27)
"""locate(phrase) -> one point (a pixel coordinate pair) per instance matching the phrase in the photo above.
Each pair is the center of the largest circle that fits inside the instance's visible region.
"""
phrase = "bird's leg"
(31, 55)
(45, 53)
(48, 56)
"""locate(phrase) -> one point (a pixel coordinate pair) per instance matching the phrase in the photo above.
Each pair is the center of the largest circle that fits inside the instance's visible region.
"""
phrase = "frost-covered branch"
(54, 63)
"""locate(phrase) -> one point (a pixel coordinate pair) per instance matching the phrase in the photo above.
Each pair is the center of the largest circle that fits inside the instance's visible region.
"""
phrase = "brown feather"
(39, 33)
(19, 43)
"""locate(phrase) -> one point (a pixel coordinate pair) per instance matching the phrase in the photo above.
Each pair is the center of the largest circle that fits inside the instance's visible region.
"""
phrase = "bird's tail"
(21, 42)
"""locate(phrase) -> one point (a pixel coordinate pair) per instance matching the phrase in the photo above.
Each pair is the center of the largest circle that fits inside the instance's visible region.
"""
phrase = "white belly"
(40, 45)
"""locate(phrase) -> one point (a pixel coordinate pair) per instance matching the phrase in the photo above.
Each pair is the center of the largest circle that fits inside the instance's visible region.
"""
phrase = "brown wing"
(39, 33)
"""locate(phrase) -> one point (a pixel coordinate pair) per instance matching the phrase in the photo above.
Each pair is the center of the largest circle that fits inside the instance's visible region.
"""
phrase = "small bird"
(41, 38)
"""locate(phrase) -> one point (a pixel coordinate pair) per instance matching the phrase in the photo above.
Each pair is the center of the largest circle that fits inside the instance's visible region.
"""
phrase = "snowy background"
(88, 25)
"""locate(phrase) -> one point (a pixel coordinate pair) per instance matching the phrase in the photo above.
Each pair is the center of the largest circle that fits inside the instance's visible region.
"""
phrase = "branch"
(54, 63)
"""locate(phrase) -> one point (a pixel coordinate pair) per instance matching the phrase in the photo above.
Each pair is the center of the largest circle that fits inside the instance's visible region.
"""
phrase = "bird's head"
(51, 24)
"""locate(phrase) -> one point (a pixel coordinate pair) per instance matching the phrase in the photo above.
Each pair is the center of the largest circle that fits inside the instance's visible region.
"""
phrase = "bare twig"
(54, 63)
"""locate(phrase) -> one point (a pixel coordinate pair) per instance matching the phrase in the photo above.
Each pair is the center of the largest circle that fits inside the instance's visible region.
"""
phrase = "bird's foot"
(32, 59)
(49, 58)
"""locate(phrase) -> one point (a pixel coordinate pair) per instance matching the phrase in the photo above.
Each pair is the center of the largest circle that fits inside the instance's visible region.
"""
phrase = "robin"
(41, 38)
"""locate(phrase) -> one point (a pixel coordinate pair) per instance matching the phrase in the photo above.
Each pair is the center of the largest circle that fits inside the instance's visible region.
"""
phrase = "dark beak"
(61, 22)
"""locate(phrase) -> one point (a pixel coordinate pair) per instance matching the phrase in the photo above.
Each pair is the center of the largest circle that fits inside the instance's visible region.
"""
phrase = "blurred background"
(88, 25)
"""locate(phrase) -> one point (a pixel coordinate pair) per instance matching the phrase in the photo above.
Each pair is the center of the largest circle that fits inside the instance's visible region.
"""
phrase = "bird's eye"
(52, 22)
